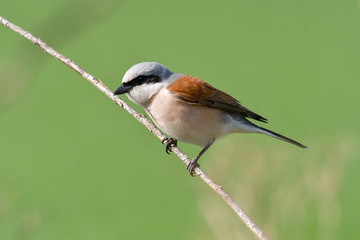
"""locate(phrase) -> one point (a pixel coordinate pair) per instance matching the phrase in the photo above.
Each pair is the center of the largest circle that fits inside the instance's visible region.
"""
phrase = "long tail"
(281, 137)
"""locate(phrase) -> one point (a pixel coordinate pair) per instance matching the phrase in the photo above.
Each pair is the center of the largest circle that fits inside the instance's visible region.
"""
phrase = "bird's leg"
(169, 142)
(193, 163)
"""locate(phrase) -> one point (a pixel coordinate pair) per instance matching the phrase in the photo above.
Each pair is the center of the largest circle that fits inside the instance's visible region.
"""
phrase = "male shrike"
(187, 108)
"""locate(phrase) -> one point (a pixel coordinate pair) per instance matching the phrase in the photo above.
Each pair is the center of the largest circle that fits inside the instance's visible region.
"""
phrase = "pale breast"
(188, 123)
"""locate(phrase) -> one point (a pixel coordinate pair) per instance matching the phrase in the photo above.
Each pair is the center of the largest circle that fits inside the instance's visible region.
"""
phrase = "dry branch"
(142, 119)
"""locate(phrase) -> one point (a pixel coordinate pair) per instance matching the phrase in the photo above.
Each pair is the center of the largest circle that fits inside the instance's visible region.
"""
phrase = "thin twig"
(142, 119)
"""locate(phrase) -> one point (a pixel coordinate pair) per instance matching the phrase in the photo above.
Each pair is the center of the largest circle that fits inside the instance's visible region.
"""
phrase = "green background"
(75, 166)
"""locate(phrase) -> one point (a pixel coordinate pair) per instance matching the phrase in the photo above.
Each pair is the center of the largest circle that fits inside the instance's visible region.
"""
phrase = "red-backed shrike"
(187, 108)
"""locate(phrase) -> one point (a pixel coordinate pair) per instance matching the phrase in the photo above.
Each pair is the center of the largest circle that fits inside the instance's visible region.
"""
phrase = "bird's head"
(143, 80)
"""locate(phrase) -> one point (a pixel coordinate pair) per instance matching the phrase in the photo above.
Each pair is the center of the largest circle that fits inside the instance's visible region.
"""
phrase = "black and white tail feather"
(279, 136)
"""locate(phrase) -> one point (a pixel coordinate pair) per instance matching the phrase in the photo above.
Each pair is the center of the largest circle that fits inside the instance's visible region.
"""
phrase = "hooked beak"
(122, 89)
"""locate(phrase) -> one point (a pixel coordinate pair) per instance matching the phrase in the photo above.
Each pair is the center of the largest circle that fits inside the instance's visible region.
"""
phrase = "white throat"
(143, 94)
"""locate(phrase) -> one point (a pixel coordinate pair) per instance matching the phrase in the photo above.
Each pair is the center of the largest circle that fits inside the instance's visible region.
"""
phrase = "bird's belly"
(188, 123)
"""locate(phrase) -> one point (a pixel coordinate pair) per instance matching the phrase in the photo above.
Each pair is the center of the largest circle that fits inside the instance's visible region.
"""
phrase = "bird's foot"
(169, 142)
(192, 165)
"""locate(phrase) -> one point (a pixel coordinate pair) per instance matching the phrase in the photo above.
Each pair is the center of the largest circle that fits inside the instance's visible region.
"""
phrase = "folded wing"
(194, 91)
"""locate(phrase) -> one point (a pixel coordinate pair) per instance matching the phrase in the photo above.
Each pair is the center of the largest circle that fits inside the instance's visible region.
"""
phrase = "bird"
(189, 109)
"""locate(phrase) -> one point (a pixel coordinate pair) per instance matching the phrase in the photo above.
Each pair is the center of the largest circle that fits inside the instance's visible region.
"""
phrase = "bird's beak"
(122, 89)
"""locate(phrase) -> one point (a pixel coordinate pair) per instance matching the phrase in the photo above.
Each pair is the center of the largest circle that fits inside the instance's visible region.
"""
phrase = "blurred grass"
(70, 160)
(292, 195)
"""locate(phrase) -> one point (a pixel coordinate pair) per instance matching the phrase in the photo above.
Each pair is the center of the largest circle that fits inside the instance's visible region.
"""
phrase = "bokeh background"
(75, 166)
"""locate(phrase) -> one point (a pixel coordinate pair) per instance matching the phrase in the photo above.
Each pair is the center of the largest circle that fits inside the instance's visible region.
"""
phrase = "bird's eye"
(141, 77)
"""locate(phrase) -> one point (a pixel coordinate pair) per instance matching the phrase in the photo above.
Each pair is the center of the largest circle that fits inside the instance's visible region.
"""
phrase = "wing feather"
(192, 90)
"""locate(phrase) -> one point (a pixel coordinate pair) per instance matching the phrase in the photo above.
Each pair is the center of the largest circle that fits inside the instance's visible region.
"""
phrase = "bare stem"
(142, 119)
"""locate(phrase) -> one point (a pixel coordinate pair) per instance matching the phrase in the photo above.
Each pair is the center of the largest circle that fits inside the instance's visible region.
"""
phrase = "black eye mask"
(142, 79)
